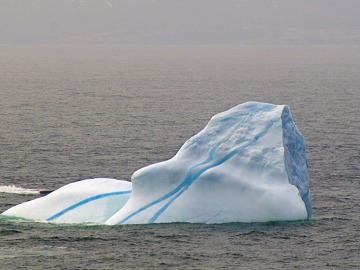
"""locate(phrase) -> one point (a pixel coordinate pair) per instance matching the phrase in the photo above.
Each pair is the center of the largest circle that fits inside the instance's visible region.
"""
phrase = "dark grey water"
(77, 112)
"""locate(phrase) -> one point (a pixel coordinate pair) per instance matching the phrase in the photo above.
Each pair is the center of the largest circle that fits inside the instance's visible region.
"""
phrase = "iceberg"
(247, 165)
(86, 201)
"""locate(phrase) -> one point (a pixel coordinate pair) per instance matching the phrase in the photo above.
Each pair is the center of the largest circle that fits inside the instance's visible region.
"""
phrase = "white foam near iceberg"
(247, 165)
(18, 190)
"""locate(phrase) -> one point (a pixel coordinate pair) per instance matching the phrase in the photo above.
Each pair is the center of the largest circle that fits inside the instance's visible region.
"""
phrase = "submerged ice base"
(247, 165)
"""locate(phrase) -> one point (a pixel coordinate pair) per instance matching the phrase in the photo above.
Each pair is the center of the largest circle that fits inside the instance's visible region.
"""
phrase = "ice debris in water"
(247, 165)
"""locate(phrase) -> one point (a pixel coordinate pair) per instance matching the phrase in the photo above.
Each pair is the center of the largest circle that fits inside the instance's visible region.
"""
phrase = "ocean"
(73, 112)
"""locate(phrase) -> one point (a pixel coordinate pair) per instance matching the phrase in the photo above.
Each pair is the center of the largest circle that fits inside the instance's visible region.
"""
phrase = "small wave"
(18, 190)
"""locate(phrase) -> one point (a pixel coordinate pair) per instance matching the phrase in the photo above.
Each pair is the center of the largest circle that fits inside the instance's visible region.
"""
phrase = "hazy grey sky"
(180, 21)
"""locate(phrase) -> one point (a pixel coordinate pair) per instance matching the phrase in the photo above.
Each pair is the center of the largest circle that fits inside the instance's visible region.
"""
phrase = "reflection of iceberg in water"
(247, 165)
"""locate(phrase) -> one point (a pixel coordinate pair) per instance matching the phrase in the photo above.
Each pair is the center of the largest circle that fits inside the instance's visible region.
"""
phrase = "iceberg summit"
(247, 165)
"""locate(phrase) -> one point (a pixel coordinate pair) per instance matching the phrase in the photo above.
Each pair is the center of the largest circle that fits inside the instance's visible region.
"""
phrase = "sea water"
(75, 112)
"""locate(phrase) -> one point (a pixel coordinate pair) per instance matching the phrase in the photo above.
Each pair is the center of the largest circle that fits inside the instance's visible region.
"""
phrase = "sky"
(180, 22)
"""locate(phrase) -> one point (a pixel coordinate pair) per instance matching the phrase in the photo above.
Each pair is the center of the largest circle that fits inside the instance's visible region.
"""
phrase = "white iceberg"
(86, 201)
(247, 165)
